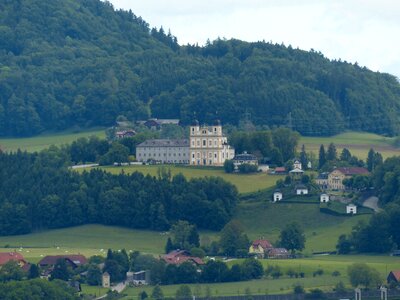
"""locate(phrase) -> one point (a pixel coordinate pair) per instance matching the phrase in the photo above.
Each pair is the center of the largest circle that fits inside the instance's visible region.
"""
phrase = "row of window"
(159, 154)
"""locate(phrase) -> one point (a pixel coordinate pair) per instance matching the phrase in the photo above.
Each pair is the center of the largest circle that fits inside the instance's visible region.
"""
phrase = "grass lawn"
(45, 140)
(265, 219)
(358, 143)
(93, 290)
(245, 183)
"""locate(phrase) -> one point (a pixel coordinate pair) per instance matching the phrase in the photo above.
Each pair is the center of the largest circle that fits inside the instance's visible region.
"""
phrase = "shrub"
(298, 289)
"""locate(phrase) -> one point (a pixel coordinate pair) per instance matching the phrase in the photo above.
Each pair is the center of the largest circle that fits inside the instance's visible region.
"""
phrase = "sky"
(362, 31)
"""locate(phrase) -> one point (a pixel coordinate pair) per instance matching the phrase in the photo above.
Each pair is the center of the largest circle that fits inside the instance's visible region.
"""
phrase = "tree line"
(39, 192)
(82, 63)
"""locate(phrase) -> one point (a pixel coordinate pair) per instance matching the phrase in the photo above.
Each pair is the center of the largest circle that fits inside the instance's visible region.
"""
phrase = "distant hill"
(66, 63)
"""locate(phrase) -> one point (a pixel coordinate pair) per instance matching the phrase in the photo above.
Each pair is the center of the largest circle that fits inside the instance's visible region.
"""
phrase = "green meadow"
(358, 143)
(45, 140)
(245, 183)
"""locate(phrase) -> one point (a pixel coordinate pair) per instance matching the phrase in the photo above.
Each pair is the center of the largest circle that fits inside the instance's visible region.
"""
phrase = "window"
(198, 143)
(204, 143)
(193, 143)
(210, 143)
(193, 155)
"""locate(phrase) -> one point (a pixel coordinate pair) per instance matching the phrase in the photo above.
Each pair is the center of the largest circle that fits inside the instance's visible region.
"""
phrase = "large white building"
(164, 150)
(208, 146)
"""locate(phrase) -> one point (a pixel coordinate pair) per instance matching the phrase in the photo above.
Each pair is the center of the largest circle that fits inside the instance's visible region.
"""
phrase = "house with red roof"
(394, 276)
(178, 257)
(260, 248)
(336, 177)
(73, 260)
(5, 257)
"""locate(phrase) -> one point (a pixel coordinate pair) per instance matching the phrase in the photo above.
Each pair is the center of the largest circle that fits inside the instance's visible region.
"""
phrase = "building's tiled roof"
(350, 171)
(52, 259)
(5, 257)
(301, 187)
(280, 169)
(165, 143)
(323, 175)
(396, 274)
(178, 257)
(265, 244)
(278, 251)
(245, 156)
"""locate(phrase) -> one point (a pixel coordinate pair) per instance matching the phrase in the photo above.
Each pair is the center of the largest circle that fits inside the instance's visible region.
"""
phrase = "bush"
(319, 272)
(335, 273)
(247, 168)
(198, 252)
(229, 167)
(298, 289)
(316, 294)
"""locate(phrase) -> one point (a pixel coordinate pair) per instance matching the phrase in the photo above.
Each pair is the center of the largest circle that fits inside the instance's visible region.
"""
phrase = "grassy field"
(358, 143)
(43, 141)
(245, 183)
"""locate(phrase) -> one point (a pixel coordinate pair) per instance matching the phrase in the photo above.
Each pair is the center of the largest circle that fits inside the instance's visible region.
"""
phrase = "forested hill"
(67, 63)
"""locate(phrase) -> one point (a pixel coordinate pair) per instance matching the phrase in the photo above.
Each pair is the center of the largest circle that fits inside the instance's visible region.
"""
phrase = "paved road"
(118, 288)
(372, 202)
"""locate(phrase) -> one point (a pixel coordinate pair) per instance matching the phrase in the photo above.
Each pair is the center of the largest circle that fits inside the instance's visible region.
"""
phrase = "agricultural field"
(245, 183)
(358, 143)
(327, 281)
(45, 140)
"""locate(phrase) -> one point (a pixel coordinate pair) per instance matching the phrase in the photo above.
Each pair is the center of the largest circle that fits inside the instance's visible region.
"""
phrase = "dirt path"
(372, 202)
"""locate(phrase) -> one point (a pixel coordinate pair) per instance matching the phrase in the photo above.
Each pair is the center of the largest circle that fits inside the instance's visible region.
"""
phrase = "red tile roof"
(396, 274)
(263, 243)
(178, 257)
(280, 169)
(350, 171)
(5, 257)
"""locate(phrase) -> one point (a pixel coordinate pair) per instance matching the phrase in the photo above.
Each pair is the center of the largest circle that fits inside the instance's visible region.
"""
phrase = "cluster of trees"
(83, 63)
(328, 159)
(39, 192)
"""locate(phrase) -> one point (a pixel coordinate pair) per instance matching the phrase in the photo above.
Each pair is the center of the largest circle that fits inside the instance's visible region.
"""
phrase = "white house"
(324, 198)
(297, 164)
(105, 280)
(301, 190)
(277, 196)
(351, 209)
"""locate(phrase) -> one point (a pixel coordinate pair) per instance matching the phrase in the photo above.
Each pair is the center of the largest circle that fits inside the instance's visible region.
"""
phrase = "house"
(157, 124)
(278, 253)
(351, 209)
(244, 158)
(296, 173)
(280, 171)
(105, 280)
(178, 257)
(171, 151)
(72, 260)
(301, 190)
(260, 248)
(336, 177)
(297, 164)
(322, 180)
(277, 196)
(5, 257)
(394, 276)
(138, 278)
(124, 134)
(324, 198)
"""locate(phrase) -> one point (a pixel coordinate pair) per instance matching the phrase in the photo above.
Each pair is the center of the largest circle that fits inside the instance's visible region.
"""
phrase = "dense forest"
(37, 191)
(81, 63)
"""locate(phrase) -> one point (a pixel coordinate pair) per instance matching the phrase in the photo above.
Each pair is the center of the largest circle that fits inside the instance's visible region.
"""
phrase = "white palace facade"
(208, 146)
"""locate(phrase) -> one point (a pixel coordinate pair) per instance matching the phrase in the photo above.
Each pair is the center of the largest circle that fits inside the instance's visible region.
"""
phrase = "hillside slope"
(67, 63)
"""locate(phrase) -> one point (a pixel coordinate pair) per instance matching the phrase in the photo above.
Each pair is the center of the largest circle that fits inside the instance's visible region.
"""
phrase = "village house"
(157, 124)
(178, 257)
(124, 134)
(301, 189)
(278, 253)
(5, 257)
(351, 209)
(169, 151)
(324, 198)
(73, 261)
(244, 158)
(260, 248)
(277, 196)
(336, 177)
(297, 164)
(208, 145)
(138, 278)
(280, 171)
(322, 180)
(105, 280)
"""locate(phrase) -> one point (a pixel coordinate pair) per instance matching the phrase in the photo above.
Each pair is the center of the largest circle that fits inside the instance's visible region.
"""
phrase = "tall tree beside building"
(322, 157)
(331, 154)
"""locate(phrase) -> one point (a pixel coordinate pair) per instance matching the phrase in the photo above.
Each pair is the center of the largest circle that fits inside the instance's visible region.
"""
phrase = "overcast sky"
(363, 31)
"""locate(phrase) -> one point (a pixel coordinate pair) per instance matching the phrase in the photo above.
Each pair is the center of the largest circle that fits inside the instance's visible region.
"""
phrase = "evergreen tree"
(322, 157)
(157, 293)
(303, 157)
(331, 154)
(60, 270)
(33, 272)
(193, 237)
(345, 155)
(169, 246)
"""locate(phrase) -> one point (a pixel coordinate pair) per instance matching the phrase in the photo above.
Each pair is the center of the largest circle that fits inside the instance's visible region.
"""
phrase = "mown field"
(245, 183)
(327, 281)
(358, 143)
(44, 141)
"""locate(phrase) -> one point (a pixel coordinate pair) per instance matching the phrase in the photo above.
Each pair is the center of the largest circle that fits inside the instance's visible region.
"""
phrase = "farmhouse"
(164, 150)
(394, 276)
(124, 134)
(5, 257)
(277, 196)
(156, 124)
(72, 260)
(351, 209)
(301, 190)
(278, 253)
(260, 248)
(208, 145)
(336, 177)
(280, 171)
(324, 198)
(245, 158)
(322, 180)
(178, 257)
(138, 278)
